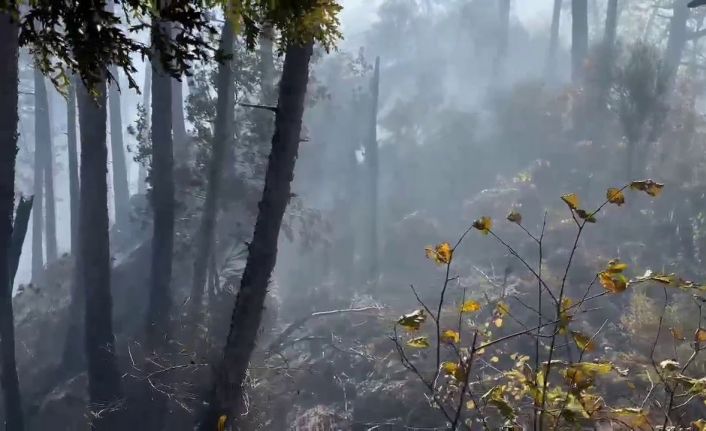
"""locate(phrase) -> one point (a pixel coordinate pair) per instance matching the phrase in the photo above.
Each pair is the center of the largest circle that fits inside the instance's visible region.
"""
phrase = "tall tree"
(262, 255)
(579, 37)
(9, 52)
(267, 68)
(371, 157)
(121, 192)
(104, 380)
(179, 122)
(611, 25)
(146, 98)
(49, 200)
(40, 137)
(222, 138)
(73, 162)
(550, 63)
(162, 195)
(677, 39)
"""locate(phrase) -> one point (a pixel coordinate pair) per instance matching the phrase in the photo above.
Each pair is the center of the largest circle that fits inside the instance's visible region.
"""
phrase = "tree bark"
(9, 52)
(611, 25)
(121, 192)
(677, 39)
(73, 164)
(579, 38)
(223, 137)
(104, 381)
(371, 157)
(19, 231)
(38, 210)
(247, 313)
(181, 151)
(146, 97)
(162, 196)
(550, 64)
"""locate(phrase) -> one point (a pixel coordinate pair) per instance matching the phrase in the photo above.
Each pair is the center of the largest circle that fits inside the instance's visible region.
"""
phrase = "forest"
(352, 215)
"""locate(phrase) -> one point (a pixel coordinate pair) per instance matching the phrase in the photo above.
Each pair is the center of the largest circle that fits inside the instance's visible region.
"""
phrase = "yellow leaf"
(483, 224)
(650, 187)
(441, 254)
(700, 335)
(613, 283)
(471, 405)
(494, 360)
(633, 417)
(699, 425)
(498, 322)
(470, 306)
(453, 369)
(419, 343)
(615, 196)
(571, 200)
(515, 217)
(678, 334)
(502, 309)
(450, 336)
(616, 266)
(412, 321)
(222, 422)
(583, 342)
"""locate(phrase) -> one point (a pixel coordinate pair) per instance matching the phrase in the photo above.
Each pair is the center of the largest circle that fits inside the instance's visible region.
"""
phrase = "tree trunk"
(162, 197)
(222, 139)
(146, 94)
(371, 157)
(19, 231)
(121, 192)
(39, 170)
(676, 41)
(9, 52)
(49, 201)
(73, 163)
(611, 25)
(104, 381)
(268, 95)
(262, 255)
(502, 39)
(181, 150)
(550, 64)
(579, 38)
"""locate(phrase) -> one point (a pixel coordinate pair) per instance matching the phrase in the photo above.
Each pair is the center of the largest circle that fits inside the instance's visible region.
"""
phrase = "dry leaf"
(441, 254)
(571, 200)
(419, 343)
(483, 224)
(615, 196)
(470, 306)
(515, 217)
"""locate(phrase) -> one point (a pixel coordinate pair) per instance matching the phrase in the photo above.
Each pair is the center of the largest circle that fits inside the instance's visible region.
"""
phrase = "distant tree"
(372, 163)
(121, 192)
(550, 66)
(579, 37)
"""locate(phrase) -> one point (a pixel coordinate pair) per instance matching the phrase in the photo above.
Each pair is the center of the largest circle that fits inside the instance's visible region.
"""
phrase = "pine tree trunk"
(9, 52)
(262, 255)
(121, 192)
(371, 156)
(550, 64)
(677, 39)
(222, 140)
(49, 200)
(181, 151)
(162, 198)
(104, 380)
(39, 170)
(19, 231)
(579, 38)
(146, 95)
(73, 163)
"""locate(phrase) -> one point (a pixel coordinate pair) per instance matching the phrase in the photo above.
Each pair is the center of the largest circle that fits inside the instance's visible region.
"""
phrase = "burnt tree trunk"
(222, 139)
(371, 157)
(104, 380)
(579, 38)
(162, 194)
(121, 192)
(19, 231)
(247, 313)
(9, 52)
(550, 63)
